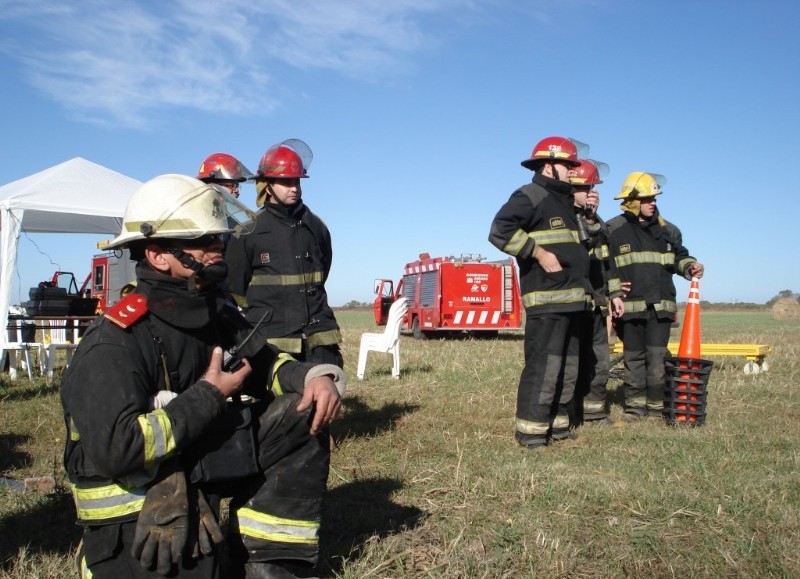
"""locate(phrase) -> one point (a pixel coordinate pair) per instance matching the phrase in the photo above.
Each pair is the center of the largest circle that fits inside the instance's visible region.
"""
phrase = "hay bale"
(786, 309)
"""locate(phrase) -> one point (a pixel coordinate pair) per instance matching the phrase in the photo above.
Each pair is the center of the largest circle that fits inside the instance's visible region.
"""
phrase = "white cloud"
(123, 62)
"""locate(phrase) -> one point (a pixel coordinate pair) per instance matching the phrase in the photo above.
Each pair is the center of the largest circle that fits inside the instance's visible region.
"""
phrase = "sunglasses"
(202, 241)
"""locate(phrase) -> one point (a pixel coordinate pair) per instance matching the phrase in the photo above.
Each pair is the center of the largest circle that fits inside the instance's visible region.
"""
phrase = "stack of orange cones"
(689, 388)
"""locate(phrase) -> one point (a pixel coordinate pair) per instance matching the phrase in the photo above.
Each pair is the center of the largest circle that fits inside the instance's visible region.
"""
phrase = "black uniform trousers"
(547, 383)
(594, 369)
(644, 342)
(291, 486)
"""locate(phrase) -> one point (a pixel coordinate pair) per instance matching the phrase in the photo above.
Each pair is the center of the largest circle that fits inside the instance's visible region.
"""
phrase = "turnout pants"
(274, 515)
(547, 383)
(594, 368)
(644, 342)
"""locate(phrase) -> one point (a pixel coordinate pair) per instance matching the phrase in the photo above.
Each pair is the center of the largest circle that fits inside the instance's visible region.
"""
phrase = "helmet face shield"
(241, 220)
(289, 159)
(223, 167)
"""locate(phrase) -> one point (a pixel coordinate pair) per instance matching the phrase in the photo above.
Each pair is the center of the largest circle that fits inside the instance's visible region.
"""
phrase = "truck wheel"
(416, 331)
(486, 334)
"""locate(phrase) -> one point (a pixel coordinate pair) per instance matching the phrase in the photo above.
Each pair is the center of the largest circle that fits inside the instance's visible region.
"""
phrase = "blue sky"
(419, 112)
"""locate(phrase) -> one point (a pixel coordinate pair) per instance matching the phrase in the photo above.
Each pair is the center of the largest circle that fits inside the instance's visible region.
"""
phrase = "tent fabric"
(76, 196)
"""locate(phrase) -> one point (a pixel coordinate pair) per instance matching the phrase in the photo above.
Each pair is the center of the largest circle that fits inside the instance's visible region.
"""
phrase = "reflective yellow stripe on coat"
(279, 279)
(159, 442)
(546, 298)
(656, 257)
(107, 502)
(634, 306)
(554, 236)
(276, 529)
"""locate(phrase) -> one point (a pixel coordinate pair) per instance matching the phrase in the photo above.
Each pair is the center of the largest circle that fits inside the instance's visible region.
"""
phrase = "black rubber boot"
(269, 570)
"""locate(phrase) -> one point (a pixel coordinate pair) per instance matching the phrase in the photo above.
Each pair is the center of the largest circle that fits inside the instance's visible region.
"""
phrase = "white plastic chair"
(57, 339)
(388, 342)
(20, 345)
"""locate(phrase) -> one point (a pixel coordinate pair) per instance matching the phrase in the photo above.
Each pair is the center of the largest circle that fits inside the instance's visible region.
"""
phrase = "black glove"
(163, 525)
(208, 531)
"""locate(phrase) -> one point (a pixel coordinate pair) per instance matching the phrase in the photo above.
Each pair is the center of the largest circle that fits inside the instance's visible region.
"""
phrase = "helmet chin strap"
(213, 273)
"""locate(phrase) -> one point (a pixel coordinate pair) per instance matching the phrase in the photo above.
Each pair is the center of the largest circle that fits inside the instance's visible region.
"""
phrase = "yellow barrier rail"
(755, 354)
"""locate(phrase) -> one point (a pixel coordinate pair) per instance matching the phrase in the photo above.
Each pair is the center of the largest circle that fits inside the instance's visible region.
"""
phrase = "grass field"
(427, 481)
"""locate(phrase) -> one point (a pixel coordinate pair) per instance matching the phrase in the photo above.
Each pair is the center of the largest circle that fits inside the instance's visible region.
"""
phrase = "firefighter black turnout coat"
(647, 254)
(542, 213)
(281, 268)
(157, 339)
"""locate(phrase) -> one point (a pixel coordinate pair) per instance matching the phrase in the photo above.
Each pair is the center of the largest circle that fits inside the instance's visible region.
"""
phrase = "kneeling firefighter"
(162, 423)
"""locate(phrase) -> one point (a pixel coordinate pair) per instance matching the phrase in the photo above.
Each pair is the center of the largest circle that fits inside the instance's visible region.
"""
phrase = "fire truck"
(111, 272)
(449, 295)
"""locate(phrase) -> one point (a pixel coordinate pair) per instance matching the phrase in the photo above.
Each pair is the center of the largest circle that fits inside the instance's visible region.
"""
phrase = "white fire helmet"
(181, 207)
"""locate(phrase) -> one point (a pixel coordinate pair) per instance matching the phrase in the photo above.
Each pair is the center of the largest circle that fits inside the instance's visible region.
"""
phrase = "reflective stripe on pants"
(547, 383)
(644, 351)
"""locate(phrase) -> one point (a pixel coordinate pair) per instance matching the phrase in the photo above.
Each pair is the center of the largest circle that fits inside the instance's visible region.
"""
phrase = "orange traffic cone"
(688, 353)
(690, 336)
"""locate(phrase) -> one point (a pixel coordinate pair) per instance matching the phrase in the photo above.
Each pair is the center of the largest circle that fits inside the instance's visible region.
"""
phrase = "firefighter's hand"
(547, 260)
(696, 269)
(322, 393)
(226, 382)
(163, 526)
(208, 531)
(593, 201)
(617, 307)
(625, 286)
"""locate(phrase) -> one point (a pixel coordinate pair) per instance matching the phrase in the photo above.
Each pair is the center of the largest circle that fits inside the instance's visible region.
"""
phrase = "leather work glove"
(208, 531)
(163, 525)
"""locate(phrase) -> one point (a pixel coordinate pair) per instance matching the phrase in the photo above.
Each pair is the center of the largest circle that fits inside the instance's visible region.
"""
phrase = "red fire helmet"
(588, 172)
(284, 161)
(223, 167)
(553, 149)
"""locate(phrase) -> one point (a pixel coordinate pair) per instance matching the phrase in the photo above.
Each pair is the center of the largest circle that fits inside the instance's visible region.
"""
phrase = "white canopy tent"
(76, 196)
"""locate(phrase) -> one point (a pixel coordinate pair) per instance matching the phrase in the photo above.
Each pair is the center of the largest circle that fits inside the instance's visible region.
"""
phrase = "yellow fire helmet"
(181, 207)
(639, 184)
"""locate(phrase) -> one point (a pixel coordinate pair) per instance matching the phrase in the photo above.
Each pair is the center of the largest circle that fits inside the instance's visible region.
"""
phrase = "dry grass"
(786, 309)
(426, 480)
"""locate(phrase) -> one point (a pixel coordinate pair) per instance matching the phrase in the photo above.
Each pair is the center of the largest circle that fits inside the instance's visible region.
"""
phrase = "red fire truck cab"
(449, 294)
(111, 272)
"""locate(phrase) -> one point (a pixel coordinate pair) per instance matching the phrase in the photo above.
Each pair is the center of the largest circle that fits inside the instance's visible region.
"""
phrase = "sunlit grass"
(427, 481)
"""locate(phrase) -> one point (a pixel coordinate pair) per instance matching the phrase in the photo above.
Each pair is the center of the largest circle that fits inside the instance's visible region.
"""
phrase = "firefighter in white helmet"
(647, 251)
(152, 442)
